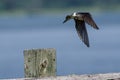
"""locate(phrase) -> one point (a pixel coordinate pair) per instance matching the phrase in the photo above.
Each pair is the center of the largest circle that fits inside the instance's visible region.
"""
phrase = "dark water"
(47, 31)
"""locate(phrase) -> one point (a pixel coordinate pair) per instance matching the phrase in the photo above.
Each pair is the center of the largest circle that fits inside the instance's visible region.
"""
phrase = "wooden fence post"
(40, 62)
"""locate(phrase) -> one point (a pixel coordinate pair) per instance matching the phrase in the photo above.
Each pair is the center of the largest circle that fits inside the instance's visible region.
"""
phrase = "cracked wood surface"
(107, 76)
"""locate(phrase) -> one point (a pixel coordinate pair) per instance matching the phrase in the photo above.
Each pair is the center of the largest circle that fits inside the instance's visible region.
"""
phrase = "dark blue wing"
(82, 32)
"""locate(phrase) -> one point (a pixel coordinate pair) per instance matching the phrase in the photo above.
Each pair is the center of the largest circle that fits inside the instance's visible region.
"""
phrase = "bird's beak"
(64, 20)
(68, 17)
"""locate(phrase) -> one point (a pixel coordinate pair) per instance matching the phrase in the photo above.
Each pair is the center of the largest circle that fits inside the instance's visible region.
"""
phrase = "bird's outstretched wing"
(82, 32)
(88, 19)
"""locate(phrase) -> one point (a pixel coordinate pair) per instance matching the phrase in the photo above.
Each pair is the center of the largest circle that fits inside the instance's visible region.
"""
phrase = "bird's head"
(68, 17)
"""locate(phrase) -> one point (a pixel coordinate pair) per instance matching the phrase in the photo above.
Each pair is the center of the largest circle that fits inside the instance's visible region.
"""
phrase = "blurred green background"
(48, 6)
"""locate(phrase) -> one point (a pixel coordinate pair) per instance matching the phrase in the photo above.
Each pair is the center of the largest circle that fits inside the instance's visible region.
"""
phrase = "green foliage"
(54, 4)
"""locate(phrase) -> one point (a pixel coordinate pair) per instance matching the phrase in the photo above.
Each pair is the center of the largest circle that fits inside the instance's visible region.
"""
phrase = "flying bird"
(80, 19)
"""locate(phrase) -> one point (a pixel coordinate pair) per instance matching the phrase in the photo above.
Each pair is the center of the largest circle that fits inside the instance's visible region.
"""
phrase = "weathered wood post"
(40, 62)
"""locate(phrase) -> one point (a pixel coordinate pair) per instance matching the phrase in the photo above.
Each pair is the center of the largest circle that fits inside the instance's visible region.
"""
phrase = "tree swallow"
(80, 19)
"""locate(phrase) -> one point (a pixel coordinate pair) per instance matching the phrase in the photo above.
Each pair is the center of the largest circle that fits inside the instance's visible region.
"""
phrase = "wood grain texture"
(40, 62)
(107, 76)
